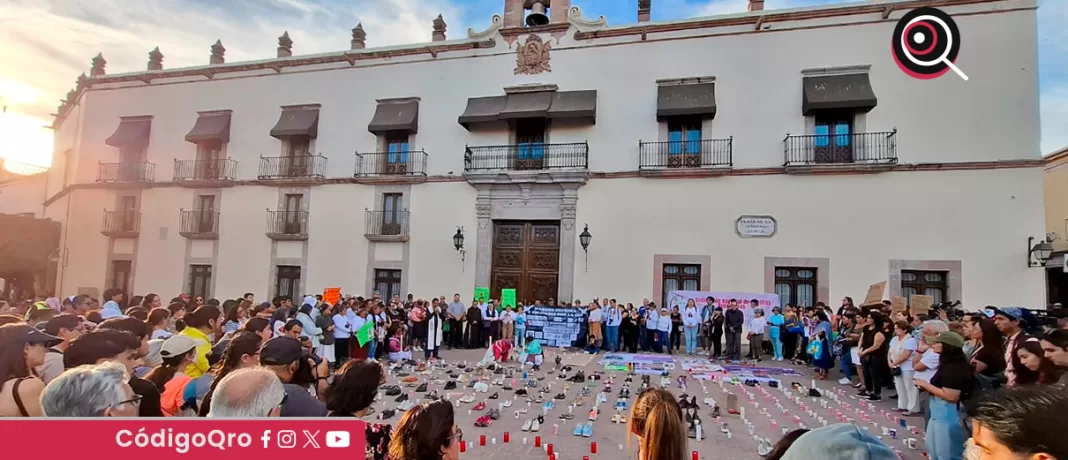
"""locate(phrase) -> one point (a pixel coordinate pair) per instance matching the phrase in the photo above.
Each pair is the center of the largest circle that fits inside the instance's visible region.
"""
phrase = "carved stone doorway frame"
(525, 196)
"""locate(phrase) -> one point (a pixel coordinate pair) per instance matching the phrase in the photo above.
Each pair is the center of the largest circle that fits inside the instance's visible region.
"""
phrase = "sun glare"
(25, 139)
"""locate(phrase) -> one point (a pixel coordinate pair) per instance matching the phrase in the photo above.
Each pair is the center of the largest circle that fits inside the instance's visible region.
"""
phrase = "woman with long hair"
(261, 326)
(987, 357)
(151, 301)
(203, 325)
(1032, 357)
(360, 351)
(242, 351)
(352, 393)
(950, 385)
(656, 419)
(427, 432)
(179, 354)
(791, 327)
(22, 349)
(235, 317)
(135, 301)
(873, 351)
(178, 311)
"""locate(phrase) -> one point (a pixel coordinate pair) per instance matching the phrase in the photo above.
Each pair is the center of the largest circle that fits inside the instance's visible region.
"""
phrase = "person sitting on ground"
(502, 350)
(656, 419)
(532, 354)
(247, 393)
(841, 441)
(103, 345)
(397, 350)
(22, 348)
(1022, 423)
(290, 361)
(428, 430)
(352, 394)
(95, 390)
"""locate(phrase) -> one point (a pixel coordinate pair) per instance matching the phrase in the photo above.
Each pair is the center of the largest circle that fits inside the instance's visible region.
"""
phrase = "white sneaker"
(844, 381)
(507, 403)
(405, 405)
(466, 399)
(527, 425)
(535, 425)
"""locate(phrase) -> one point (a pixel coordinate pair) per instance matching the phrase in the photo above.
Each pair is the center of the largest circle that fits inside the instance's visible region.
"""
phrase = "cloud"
(57, 38)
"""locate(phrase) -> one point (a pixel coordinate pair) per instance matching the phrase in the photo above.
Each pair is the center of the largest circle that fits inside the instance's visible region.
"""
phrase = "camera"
(951, 309)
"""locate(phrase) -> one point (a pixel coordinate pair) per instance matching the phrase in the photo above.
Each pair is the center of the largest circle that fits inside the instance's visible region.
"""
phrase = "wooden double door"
(526, 257)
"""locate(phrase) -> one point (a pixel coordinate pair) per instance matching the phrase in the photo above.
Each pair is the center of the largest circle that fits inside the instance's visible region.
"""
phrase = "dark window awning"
(527, 105)
(483, 110)
(686, 100)
(574, 104)
(131, 133)
(395, 116)
(540, 104)
(297, 122)
(836, 92)
(210, 127)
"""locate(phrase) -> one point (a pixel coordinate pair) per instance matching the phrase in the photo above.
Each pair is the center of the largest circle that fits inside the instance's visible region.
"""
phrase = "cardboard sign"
(898, 303)
(875, 294)
(921, 304)
(332, 295)
(482, 293)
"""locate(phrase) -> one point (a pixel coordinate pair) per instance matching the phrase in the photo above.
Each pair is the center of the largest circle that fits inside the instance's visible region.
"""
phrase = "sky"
(47, 43)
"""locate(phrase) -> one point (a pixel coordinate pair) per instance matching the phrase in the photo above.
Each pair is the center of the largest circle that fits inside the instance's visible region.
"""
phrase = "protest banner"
(723, 299)
(482, 293)
(921, 304)
(507, 298)
(875, 294)
(898, 303)
(557, 326)
(332, 295)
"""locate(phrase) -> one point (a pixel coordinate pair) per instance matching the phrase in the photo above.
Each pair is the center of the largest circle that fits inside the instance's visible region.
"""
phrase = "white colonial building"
(768, 151)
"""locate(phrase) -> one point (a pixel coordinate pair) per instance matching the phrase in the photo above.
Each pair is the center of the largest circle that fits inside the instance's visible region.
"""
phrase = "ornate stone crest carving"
(532, 57)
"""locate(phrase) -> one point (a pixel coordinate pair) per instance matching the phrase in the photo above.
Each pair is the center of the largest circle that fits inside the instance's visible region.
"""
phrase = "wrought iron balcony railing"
(695, 154)
(839, 149)
(386, 224)
(393, 163)
(121, 223)
(219, 170)
(199, 224)
(527, 156)
(293, 167)
(126, 172)
(285, 224)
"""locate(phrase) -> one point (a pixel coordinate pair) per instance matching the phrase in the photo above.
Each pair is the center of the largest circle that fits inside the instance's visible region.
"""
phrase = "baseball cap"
(947, 338)
(36, 336)
(37, 310)
(1015, 313)
(177, 345)
(281, 351)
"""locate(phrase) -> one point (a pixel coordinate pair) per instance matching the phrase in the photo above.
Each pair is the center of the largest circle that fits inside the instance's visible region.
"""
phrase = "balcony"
(121, 224)
(207, 171)
(126, 172)
(407, 165)
(527, 157)
(813, 153)
(703, 155)
(287, 225)
(301, 167)
(199, 225)
(387, 226)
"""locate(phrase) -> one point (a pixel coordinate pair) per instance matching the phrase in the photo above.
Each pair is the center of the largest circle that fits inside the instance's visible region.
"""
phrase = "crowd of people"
(998, 370)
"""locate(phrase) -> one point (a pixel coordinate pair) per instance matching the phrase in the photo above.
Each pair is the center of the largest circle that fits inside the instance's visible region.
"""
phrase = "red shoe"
(479, 406)
(482, 421)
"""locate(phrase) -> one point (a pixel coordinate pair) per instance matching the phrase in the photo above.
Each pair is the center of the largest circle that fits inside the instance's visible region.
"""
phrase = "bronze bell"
(537, 16)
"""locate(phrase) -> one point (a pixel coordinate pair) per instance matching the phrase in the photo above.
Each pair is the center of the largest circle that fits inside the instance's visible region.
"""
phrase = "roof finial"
(359, 37)
(285, 45)
(98, 66)
(218, 53)
(155, 59)
(439, 29)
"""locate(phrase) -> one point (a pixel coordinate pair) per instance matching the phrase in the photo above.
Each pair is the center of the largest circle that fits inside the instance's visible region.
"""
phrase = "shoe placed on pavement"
(578, 401)
(521, 392)
(421, 388)
(494, 414)
(587, 431)
(494, 395)
(773, 384)
(593, 414)
(477, 407)
(506, 403)
(536, 425)
(450, 385)
(404, 406)
(527, 424)
(585, 391)
(615, 418)
(386, 414)
(433, 395)
(560, 396)
(482, 421)
(578, 429)
(715, 412)
(764, 447)
(401, 398)
(467, 399)
(410, 379)
(622, 418)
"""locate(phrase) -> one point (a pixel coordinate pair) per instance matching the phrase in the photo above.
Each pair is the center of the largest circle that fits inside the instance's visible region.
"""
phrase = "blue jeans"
(691, 338)
(520, 335)
(371, 349)
(847, 364)
(611, 338)
(945, 434)
(776, 346)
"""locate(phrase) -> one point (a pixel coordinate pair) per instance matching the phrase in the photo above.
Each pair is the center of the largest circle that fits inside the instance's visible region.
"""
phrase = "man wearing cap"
(1011, 322)
(67, 327)
(284, 356)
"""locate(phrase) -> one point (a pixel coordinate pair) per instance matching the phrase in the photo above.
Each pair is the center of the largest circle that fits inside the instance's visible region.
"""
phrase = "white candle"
(742, 412)
(524, 440)
(493, 441)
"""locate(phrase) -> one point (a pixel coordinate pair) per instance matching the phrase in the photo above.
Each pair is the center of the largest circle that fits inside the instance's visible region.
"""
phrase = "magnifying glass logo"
(925, 44)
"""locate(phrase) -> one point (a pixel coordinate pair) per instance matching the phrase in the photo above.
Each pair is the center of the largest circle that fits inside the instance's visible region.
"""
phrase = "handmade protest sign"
(507, 298)
(364, 333)
(875, 294)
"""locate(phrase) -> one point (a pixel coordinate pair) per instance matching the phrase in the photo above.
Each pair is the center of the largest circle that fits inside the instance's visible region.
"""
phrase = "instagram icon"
(286, 439)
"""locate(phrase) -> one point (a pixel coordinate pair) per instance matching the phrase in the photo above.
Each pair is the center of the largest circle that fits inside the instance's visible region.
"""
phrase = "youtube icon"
(337, 439)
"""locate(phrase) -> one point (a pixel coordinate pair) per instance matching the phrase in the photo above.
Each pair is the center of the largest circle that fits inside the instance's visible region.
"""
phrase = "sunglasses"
(135, 402)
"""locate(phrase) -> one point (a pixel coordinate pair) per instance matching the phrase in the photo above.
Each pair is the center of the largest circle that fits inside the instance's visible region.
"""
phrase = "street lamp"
(458, 243)
(1039, 253)
(584, 240)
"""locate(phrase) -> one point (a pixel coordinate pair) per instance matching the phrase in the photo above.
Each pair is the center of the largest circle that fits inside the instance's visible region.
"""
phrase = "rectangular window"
(392, 213)
(128, 206)
(684, 135)
(397, 152)
(293, 214)
(932, 283)
(680, 277)
(796, 286)
(120, 274)
(206, 213)
(287, 281)
(200, 280)
(530, 143)
(388, 283)
(833, 140)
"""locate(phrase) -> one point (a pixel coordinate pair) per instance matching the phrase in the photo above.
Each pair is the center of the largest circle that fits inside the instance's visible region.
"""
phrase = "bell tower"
(534, 13)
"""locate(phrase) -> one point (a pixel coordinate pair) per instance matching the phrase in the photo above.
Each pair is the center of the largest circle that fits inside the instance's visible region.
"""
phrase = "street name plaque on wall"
(756, 226)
